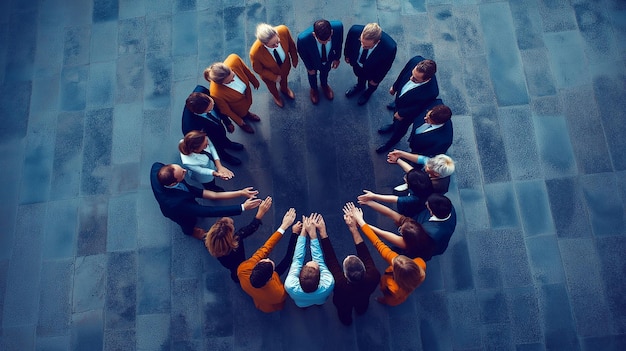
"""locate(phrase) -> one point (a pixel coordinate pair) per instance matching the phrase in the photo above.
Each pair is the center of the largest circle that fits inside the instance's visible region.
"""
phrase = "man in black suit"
(319, 47)
(201, 113)
(370, 52)
(434, 136)
(177, 199)
(415, 88)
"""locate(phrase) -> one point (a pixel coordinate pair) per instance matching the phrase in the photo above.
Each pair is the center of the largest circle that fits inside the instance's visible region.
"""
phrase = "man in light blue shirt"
(311, 283)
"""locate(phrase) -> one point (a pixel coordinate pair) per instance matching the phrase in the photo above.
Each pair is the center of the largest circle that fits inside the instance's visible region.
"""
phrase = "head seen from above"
(310, 277)
(370, 36)
(267, 35)
(220, 239)
(219, 73)
(199, 103)
(353, 269)
(322, 31)
(261, 273)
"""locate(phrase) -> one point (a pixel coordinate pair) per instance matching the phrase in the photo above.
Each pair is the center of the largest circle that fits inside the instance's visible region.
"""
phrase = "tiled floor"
(92, 94)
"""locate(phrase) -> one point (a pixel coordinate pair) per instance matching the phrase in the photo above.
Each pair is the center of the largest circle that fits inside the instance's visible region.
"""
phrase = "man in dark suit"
(319, 47)
(370, 52)
(201, 113)
(415, 88)
(439, 221)
(434, 136)
(177, 199)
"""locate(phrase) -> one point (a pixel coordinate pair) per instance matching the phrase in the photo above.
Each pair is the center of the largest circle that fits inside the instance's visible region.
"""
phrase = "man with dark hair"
(357, 280)
(312, 283)
(177, 199)
(434, 136)
(319, 47)
(414, 89)
(370, 52)
(439, 221)
(257, 275)
(200, 113)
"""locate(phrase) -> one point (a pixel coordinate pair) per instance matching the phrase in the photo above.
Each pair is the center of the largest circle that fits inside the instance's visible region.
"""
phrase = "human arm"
(357, 215)
(392, 238)
(293, 51)
(248, 192)
(371, 196)
(397, 155)
(251, 77)
(382, 209)
(327, 282)
(222, 172)
(356, 236)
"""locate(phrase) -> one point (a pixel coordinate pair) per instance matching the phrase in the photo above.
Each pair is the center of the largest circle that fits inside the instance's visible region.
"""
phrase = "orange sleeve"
(384, 250)
(265, 250)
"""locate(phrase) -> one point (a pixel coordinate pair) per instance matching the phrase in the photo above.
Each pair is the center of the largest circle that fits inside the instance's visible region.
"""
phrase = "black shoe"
(391, 106)
(230, 159)
(354, 90)
(387, 128)
(364, 98)
(234, 146)
(213, 187)
(383, 148)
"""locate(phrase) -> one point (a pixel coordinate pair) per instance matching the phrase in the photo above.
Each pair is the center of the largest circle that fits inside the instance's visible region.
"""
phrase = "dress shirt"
(369, 52)
(279, 49)
(410, 85)
(328, 46)
(237, 85)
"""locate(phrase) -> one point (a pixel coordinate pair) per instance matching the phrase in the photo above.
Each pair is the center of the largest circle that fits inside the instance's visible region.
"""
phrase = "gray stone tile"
(465, 154)
(153, 280)
(532, 200)
(478, 84)
(568, 208)
(125, 177)
(520, 143)
(474, 209)
(122, 223)
(497, 337)
(89, 283)
(66, 169)
(130, 78)
(120, 340)
(556, 153)
(153, 332)
(126, 133)
(493, 307)
(153, 230)
(442, 25)
(55, 294)
(564, 52)
(15, 101)
(528, 24)
(121, 290)
(158, 77)
(38, 161)
(465, 319)
(95, 177)
(43, 104)
(186, 322)
(559, 329)
(4, 267)
(500, 199)
(468, 31)
(100, 91)
(455, 96)
(50, 52)
(103, 44)
(545, 259)
(605, 208)
(490, 144)
(511, 248)
(184, 36)
(18, 338)
(608, 91)
(87, 330)
(105, 10)
(597, 32)
(457, 270)
(538, 77)
(130, 36)
(73, 88)
(434, 318)
(60, 230)
(21, 300)
(610, 254)
(76, 46)
(131, 8)
(53, 343)
(524, 315)
(21, 41)
(556, 16)
(92, 226)
(217, 305)
(503, 56)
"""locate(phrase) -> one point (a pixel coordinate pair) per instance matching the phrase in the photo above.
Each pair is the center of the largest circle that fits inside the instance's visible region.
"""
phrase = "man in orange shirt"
(258, 277)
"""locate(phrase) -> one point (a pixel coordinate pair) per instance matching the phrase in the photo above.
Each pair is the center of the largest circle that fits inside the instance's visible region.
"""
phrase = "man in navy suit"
(370, 52)
(177, 199)
(201, 113)
(439, 221)
(415, 88)
(434, 136)
(319, 47)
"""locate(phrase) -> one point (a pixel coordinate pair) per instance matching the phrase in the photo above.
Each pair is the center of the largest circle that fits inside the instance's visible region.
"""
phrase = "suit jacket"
(263, 62)
(229, 101)
(181, 207)
(214, 130)
(310, 55)
(379, 61)
(440, 231)
(434, 142)
(416, 100)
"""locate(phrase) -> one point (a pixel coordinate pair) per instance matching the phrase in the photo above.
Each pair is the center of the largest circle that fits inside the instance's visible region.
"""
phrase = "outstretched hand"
(355, 212)
(264, 207)
(349, 221)
(249, 192)
(288, 218)
(251, 203)
(297, 228)
(393, 156)
(367, 196)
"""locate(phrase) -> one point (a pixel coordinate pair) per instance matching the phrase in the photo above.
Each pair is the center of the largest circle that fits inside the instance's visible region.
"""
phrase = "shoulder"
(336, 25)
(282, 29)
(305, 34)
(254, 49)
(232, 59)
(357, 28)
(388, 41)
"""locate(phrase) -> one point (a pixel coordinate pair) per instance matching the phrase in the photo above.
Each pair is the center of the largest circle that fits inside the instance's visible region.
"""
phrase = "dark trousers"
(323, 76)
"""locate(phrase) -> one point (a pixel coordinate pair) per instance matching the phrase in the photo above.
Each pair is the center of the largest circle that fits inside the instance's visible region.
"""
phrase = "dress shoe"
(387, 128)
(246, 128)
(355, 89)
(230, 159)
(234, 146)
(251, 116)
(315, 96)
(391, 106)
(328, 92)
(289, 93)
(279, 102)
(364, 98)
(383, 148)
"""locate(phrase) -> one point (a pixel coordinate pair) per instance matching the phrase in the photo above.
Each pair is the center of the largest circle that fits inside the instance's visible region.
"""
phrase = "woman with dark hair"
(198, 155)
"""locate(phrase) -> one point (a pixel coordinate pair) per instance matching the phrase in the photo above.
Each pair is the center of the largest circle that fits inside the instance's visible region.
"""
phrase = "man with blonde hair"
(370, 52)
(272, 55)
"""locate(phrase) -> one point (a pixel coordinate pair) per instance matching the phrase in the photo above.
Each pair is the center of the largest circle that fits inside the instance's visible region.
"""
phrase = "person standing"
(272, 55)
(319, 47)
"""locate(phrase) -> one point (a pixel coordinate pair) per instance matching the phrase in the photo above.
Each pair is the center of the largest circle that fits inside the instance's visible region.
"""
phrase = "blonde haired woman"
(402, 276)
(199, 156)
(231, 91)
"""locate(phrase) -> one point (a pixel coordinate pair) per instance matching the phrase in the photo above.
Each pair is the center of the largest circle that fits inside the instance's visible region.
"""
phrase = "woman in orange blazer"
(231, 91)
(272, 55)
(402, 276)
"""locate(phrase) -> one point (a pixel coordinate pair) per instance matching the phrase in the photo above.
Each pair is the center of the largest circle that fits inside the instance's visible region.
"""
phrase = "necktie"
(277, 57)
(208, 154)
(363, 56)
(213, 117)
(324, 57)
